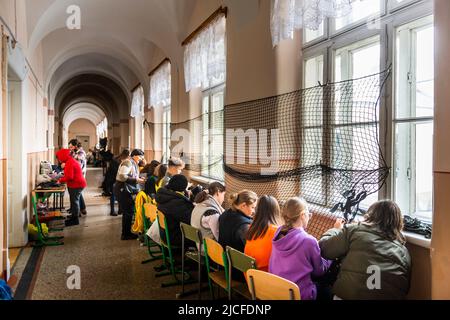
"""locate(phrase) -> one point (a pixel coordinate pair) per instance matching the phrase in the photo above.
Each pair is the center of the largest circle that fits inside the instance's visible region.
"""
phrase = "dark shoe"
(129, 237)
(113, 214)
(83, 212)
(72, 222)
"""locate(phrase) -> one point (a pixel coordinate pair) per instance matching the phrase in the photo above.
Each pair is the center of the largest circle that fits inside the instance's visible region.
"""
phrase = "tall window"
(413, 122)
(160, 99)
(205, 68)
(352, 46)
(213, 128)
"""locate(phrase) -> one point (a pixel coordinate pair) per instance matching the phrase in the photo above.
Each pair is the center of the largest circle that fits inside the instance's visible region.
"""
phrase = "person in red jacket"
(73, 177)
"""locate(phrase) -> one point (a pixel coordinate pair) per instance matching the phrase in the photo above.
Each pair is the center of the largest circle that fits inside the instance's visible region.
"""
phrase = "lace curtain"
(137, 105)
(102, 128)
(205, 57)
(160, 87)
(290, 15)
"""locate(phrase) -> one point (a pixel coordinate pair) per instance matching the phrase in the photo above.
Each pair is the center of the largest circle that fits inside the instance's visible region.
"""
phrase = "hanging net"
(321, 143)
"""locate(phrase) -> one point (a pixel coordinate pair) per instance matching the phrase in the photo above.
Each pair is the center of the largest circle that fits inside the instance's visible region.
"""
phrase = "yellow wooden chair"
(266, 286)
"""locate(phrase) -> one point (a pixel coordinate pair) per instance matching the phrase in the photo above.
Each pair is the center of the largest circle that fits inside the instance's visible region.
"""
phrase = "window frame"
(390, 18)
(411, 120)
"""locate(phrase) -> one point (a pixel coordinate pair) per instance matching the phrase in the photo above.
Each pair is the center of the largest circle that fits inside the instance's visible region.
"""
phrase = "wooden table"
(56, 193)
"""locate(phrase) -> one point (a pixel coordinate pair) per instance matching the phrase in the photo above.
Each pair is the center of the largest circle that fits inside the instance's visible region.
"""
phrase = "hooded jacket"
(233, 227)
(73, 175)
(296, 257)
(362, 247)
(206, 217)
(177, 208)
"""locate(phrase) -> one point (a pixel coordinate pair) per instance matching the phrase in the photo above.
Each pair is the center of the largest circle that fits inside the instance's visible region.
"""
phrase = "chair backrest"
(266, 286)
(239, 260)
(214, 251)
(151, 211)
(36, 215)
(191, 233)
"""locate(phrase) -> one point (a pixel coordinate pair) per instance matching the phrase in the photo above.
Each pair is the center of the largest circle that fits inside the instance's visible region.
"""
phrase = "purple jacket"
(296, 257)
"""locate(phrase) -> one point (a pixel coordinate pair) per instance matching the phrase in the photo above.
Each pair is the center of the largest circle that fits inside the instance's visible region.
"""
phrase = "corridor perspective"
(224, 150)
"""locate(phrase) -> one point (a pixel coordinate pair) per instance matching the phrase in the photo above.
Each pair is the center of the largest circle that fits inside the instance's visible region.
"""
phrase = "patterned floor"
(110, 269)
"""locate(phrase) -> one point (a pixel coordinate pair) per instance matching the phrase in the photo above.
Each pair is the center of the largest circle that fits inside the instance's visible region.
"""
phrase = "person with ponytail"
(208, 210)
(376, 243)
(235, 222)
(262, 231)
(296, 254)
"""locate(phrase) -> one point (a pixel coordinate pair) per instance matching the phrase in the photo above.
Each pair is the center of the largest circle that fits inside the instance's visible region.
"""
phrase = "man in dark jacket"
(174, 204)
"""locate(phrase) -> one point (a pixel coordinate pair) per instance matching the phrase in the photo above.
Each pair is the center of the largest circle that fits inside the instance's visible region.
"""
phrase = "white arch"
(84, 110)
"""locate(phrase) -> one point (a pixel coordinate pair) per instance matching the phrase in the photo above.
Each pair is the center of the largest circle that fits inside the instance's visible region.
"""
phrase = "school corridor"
(314, 111)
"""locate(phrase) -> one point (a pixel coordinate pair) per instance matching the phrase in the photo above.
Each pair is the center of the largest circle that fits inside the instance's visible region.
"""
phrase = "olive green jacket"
(365, 252)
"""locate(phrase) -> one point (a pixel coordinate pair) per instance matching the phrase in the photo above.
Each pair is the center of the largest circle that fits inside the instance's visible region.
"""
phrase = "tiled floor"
(109, 268)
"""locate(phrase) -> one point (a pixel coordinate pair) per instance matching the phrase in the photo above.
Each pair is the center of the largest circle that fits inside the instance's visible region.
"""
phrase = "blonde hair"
(245, 196)
(292, 211)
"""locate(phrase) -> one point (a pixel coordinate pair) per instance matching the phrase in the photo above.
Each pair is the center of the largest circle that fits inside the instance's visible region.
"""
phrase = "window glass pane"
(310, 35)
(360, 11)
(350, 142)
(414, 168)
(313, 72)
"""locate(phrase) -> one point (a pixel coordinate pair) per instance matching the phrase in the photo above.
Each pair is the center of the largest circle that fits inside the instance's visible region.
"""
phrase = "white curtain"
(290, 15)
(205, 56)
(160, 87)
(102, 128)
(137, 105)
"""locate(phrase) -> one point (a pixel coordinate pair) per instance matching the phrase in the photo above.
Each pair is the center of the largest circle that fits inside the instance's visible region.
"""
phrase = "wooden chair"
(194, 235)
(242, 262)
(266, 286)
(43, 240)
(168, 259)
(215, 252)
(149, 215)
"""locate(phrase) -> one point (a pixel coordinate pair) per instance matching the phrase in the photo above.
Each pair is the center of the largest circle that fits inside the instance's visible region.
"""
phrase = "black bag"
(125, 187)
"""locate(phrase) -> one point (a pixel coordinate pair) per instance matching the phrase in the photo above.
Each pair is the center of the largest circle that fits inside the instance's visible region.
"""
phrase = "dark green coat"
(360, 246)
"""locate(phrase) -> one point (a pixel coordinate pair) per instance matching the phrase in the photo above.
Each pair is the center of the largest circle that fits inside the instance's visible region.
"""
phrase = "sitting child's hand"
(339, 224)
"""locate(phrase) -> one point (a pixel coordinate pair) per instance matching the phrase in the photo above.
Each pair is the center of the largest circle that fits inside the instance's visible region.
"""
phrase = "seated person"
(234, 223)
(376, 241)
(262, 231)
(174, 167)
(208, 210)
(173, 203)
(296, 254)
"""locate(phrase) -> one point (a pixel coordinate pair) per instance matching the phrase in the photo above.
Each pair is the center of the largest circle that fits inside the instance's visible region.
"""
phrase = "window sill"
(417, 240)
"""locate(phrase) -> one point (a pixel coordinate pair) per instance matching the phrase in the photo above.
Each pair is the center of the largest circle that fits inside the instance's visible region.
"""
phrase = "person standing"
(73, 177)
(77, 152)
(110, 178)
(126, 187)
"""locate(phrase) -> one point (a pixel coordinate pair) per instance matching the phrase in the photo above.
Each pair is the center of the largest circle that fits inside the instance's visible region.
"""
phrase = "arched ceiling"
(96, 89)
(88, 111)
(130, 32)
